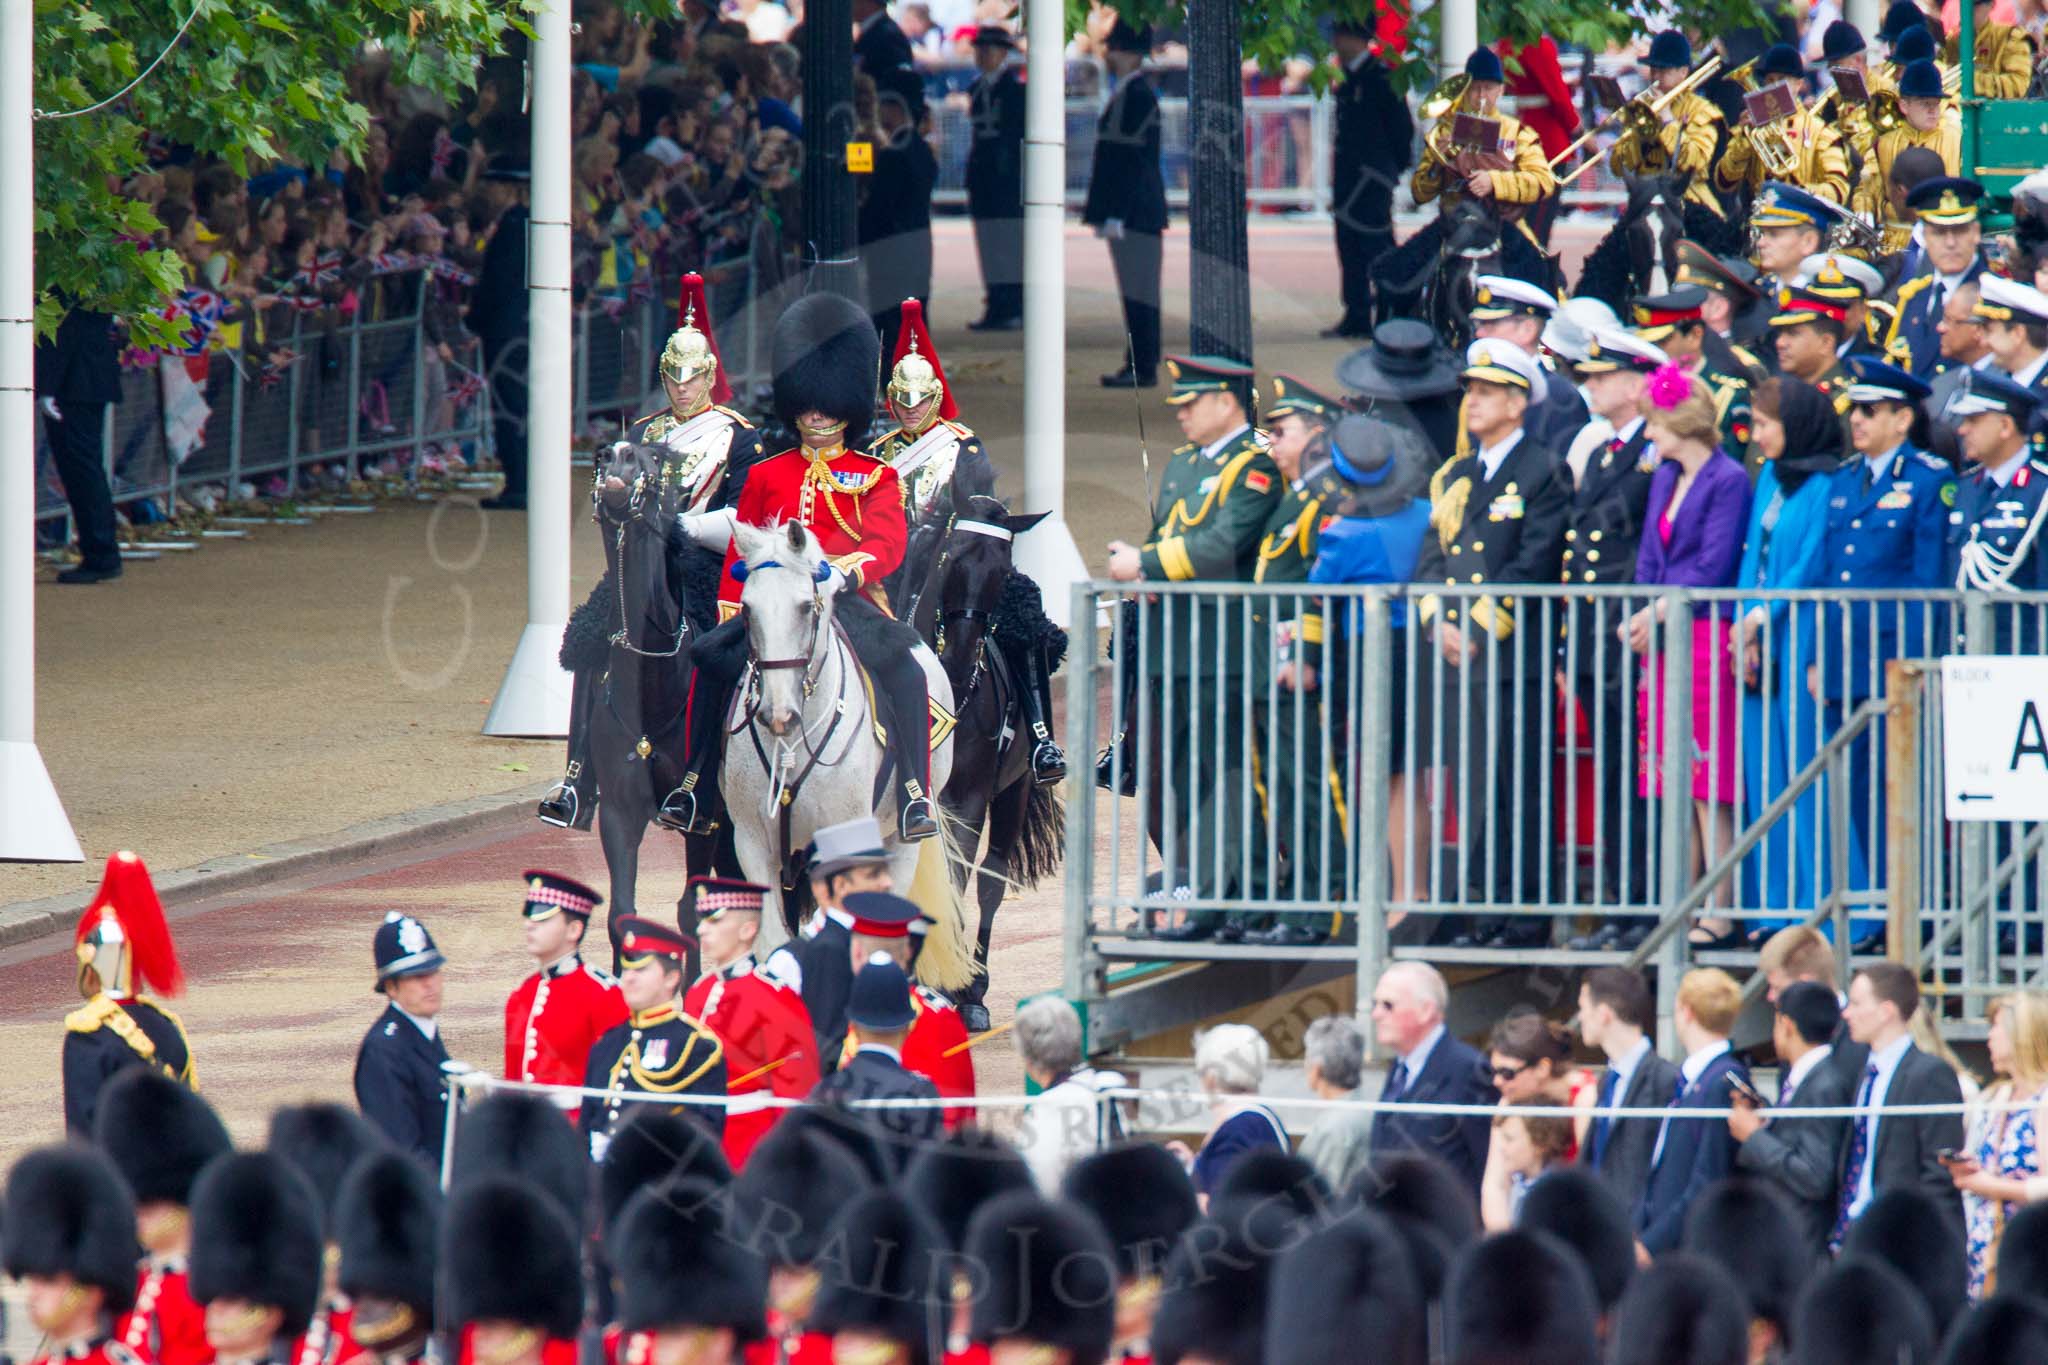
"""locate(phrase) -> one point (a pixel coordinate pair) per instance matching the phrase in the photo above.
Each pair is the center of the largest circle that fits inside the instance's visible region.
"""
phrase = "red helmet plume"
(694, 310)
(912, 336)
(123, 932)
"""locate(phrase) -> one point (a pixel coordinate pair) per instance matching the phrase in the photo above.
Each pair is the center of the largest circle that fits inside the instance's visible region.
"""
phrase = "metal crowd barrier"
(1540, 787)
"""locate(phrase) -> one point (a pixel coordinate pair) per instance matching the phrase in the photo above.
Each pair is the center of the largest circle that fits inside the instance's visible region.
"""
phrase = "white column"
(1460, 35)
(1047, 552)
(33, 826)
(534, 698)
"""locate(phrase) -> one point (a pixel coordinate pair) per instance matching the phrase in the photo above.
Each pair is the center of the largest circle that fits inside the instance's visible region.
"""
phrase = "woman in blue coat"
(1800, 436)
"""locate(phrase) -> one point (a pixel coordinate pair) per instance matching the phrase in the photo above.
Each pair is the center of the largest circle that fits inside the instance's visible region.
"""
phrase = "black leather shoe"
(1346, 328)
(996, 325)
(1286, 935)
(1105, 772)
(1048, 763)
(974, 1015)
(558, 807)
(1184, 933)
(1601, 939)
(503, 504)
(86, 573)
(681, 813)
(1128, 378)
(915, 821)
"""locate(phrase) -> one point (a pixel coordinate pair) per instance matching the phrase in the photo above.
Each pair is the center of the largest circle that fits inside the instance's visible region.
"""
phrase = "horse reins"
(623, 638)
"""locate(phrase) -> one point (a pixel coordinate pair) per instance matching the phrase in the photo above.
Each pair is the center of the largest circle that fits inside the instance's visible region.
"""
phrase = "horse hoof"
(975, 1017)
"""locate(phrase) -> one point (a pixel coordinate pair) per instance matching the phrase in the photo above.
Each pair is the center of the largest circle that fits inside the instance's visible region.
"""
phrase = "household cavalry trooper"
(1951, 256)
(706, 451)
(1216, 498)
(1925, 120)
(658, 1049)
(1673, 323)
(1688, 132)
(556, 1014)
(123, 946)
(1998, 530)
(1821, 165)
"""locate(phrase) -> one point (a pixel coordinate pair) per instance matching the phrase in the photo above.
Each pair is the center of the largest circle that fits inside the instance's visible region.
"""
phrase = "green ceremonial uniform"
(1731, 401)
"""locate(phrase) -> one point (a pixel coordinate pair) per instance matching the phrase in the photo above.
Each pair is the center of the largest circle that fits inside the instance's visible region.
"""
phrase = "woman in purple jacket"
(1692, 538)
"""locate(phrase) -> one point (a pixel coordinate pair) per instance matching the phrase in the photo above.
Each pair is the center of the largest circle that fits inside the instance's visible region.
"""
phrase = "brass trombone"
(1639, 118)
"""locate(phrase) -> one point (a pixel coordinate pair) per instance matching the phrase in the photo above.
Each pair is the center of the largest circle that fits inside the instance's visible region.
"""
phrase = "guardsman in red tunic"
(1050, 1291)
(323, 1142)
(827, 360)
(160, 1135)
(256, 1256)
(555, 1015)
(770, 1048)
(937, 1046)
(1146, 1203)
(387, 1229)
(70, 1240)
(124, 946)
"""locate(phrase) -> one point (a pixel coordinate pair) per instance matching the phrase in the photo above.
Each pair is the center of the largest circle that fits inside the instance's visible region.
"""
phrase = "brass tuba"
(1769, 142)
(1435, 105)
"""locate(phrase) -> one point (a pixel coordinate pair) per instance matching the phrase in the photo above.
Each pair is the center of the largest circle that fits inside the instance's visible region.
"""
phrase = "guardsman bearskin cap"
(1051, 1276)
(158, 1133)
(1905, 1228)
(827, 359)
(323, 1142)
(1579, 1209)
(791, 1189)
(1269, 1173)
(1750, 1231)
(256, 1236)
(681, 1265)
(1347, 1292)
(887, 1276)
(1859, 1310)
(951, 1179)
(1214, 1304)
(1143, 1199)
(68, 1213)
(652, 1146)
(388, 1226)
(1998, 1331)
(1433, 1210)
(1520, 1296)
(1684, 1310)
(511, 1256)
(523, 1136)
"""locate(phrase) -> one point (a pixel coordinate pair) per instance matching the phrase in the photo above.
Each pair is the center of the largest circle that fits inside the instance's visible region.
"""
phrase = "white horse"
(802, 748)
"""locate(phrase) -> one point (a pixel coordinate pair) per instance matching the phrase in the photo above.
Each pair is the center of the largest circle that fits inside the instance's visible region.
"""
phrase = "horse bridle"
(804, 660)
(979, 528)
(623, 637)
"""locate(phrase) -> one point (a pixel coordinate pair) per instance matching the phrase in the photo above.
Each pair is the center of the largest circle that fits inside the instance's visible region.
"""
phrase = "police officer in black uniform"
(1368, 158)
(881, 1014)
(400, 1084)
(659, 1050)
(995, 179)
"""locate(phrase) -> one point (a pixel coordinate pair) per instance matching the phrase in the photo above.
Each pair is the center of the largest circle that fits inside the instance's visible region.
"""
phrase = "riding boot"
(693, 807)
(908, 695)
(572, 802)
(1048, 760)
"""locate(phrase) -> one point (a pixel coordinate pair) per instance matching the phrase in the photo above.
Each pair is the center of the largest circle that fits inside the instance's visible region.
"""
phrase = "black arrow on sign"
(1975, 796)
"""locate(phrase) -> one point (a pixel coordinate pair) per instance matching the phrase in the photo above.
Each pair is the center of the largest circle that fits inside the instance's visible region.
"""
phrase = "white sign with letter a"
(1995, 743)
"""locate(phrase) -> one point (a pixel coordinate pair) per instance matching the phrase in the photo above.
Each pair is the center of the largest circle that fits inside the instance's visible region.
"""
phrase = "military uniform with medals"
(656, 1051)
(124, 944)
(1213, 507)
(1914, 339)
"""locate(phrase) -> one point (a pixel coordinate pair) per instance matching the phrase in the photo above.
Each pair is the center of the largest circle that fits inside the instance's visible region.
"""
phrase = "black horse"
(974, 610)
(1639, 254)
(1430, 276)
(634, 634)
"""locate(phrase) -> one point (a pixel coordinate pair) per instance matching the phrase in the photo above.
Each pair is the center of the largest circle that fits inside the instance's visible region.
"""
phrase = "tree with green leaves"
(252, 82)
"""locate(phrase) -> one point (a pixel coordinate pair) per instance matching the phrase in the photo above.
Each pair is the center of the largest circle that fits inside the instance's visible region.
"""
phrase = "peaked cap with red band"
(641, 938)
(912, 336)
(127, 904)
(694, 310)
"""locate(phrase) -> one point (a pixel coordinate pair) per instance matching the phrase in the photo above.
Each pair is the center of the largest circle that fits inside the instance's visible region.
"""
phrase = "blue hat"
(1362, 449)
(1484, 65)
(1915, 44)
(1946, 199)
(1877, 382)
(1992, 391)
(1898, 17)
(1781, 59)
(1783, 205)
(404, 948)
(1841, 39)
(1921, 80)
(1671, 48)
(881, 996)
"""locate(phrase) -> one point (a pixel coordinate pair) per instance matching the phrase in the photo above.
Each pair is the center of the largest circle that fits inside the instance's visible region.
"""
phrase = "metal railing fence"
(1485, 797)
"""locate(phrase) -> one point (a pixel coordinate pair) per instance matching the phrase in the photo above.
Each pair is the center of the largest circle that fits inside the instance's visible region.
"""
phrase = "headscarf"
(1813, 434)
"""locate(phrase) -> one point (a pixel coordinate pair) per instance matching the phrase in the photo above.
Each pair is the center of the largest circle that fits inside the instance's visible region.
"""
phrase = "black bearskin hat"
(158, 1133)
(1051, 1276)
(387, 1224)
(827, 359)
(1431, 1207)
(68, 1213)
(1143, 1199)
(886, 1275)
(1750, 1231)
(650, 1147)
(790, 1190)
(1907, 1229)
(323, 1142)
(951, 1179)
(1684, 1310)
(1347, 1293)
(1859, 1310)
(2002, 1329)
(1269, 1173)
(523, 1136)
(256, 1236)
(1214, 1302)
(1579, 1209)
(2023, 1253)
(680, 1265)
(1519, 1296)
(512, 1256)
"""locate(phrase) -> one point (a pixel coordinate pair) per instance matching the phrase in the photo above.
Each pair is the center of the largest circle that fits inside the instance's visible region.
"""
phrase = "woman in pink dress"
(1697, 512)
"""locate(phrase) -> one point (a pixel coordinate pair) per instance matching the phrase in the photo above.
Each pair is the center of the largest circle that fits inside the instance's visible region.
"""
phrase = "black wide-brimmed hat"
(1404, 362)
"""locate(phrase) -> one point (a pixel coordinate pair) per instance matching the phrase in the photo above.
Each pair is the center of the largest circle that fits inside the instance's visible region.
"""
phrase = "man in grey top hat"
(845, 858)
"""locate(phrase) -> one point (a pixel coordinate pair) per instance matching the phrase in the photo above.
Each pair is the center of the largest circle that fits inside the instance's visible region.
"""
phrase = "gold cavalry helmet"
(913, 380)
(917, 376)
(688, 354)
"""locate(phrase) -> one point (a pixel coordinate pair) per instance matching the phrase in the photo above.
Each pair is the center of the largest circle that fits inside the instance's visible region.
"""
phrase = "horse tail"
(946, 962)
(1043, 841)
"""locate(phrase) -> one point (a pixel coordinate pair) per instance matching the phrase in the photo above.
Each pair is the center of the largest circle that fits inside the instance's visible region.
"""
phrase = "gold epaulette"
(92, 1015)
(737, 417)
(1747, 357)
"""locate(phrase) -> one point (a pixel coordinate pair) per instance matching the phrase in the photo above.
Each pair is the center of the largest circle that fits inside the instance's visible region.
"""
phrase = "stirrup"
(679, 813)
(1048, 763)
(559, 806)
(915, 820)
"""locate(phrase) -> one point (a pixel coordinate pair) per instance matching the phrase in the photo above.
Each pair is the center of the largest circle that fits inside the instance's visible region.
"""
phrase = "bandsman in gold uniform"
(1843, 49)
(2005, 55)
(1925, 121)
(1688, 138)
(1820, 165)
